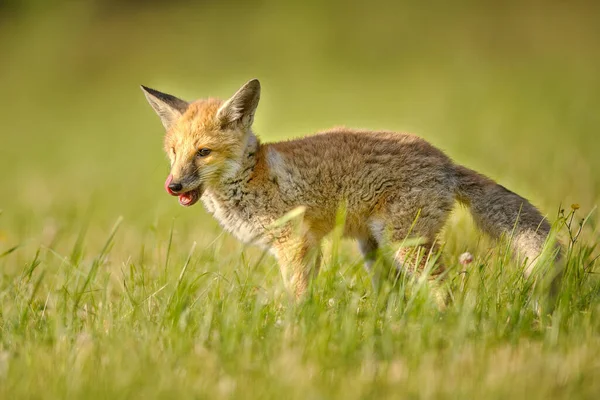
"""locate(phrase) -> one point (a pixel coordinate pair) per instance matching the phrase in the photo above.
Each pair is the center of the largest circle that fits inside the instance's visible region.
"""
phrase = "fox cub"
(393, 186)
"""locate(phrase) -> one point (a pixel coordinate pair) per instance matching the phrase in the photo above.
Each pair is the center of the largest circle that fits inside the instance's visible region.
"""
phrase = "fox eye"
(203, 152)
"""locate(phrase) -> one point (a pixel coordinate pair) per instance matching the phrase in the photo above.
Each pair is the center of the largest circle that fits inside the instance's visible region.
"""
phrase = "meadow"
(110, 289)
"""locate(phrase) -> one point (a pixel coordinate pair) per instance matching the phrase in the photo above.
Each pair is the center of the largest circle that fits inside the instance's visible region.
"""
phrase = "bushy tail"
(498, 211)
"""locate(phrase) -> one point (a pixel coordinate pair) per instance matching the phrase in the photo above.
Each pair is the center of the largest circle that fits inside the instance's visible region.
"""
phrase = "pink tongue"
(167, 183)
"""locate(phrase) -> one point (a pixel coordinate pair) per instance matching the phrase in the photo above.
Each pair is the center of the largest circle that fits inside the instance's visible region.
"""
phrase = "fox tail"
(497, 211)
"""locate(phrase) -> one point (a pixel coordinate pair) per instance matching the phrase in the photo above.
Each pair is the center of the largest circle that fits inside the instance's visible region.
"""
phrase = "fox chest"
(238, 218)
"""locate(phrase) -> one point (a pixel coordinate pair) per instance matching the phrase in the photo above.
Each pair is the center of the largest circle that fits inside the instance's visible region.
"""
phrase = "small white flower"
(465, 258)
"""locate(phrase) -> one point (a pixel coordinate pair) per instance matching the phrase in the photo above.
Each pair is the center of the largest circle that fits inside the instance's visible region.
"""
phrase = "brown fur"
(393, 186)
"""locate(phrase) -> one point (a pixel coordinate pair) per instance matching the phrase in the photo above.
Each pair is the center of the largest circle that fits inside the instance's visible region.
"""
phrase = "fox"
(393, 186)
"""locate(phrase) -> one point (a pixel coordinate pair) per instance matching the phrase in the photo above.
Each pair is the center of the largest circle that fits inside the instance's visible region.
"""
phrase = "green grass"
(109, 289)
(160, 318)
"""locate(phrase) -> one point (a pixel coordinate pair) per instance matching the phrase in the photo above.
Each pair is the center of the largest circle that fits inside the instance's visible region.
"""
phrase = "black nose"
(176, 187)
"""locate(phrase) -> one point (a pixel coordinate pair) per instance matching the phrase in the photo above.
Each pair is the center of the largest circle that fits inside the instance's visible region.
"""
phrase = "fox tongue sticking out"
(185, 199)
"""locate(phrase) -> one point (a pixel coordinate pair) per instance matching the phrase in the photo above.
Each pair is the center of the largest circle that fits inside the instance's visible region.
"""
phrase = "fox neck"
(232, 202)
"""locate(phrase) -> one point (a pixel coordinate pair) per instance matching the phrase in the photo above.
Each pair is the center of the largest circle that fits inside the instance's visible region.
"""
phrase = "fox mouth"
(186, 199)
(190, 198)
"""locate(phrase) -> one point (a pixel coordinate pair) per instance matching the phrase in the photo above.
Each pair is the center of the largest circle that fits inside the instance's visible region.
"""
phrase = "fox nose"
(175, 187)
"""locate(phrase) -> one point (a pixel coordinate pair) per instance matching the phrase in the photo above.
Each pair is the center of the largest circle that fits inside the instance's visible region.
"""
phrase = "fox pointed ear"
(240, 108)
(169, 108)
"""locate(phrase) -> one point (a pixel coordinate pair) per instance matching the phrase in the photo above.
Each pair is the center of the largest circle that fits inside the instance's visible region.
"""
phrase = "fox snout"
(186, 198)
(172, 187)
(175, 186)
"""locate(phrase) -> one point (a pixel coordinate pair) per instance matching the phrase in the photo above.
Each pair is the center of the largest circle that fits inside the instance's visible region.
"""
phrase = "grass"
(183, 322)
(108, 289)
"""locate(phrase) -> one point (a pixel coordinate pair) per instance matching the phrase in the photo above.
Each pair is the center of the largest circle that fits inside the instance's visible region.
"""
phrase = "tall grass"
(220, 325)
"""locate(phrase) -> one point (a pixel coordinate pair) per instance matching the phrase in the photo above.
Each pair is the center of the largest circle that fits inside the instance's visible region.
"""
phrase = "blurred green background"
(511, 89)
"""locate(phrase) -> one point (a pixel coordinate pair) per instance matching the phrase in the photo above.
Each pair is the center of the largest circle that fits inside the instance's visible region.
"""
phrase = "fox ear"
(169, 108)
(241, 106)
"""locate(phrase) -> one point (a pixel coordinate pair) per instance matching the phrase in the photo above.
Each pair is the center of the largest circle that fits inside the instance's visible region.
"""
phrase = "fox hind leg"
(416, 260)
(369, 248)
(405, 222)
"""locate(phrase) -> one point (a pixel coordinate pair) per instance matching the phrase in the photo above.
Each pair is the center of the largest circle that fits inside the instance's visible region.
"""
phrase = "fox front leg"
(299, 260)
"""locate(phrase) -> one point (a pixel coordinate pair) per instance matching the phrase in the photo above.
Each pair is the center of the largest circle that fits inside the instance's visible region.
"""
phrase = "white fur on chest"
(236, 221)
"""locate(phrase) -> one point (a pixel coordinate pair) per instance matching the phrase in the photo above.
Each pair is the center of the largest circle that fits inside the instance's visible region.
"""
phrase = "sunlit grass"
(157, 317)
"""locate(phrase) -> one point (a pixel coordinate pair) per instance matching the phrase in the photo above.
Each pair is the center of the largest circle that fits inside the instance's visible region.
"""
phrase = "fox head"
(205, 139)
